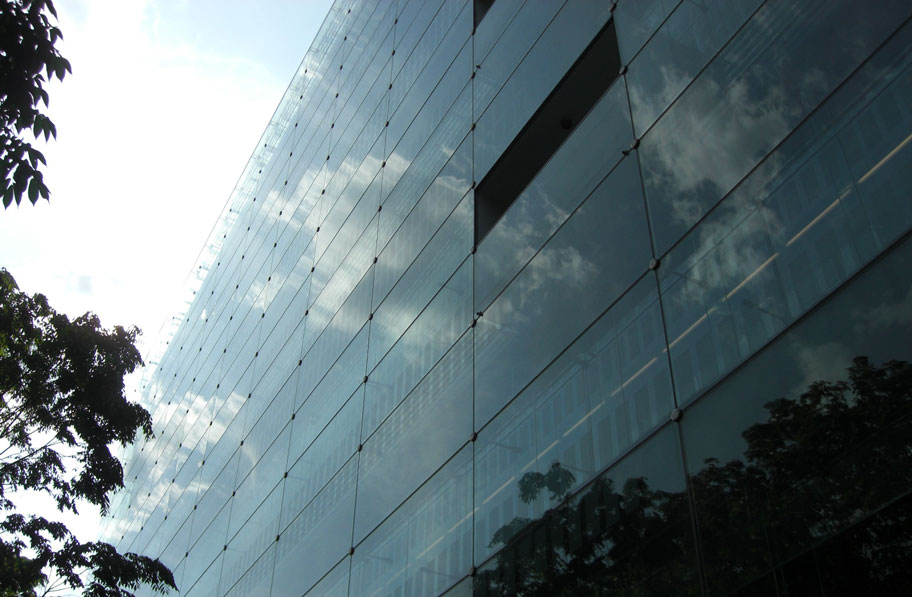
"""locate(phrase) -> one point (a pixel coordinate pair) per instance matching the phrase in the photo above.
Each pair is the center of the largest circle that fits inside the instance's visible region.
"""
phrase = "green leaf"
(33, 191)
(20, 180)
(28, 61)
(35, 156)
(62, 67)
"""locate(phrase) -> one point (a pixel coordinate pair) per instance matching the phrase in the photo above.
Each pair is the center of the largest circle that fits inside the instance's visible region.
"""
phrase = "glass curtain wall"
(678, 363)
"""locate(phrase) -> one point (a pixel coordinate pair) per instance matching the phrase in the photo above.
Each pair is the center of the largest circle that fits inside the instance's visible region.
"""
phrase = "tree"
(28, 59)
(62, 406)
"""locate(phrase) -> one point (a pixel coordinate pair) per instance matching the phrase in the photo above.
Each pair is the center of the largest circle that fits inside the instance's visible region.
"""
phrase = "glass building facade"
(553, 298)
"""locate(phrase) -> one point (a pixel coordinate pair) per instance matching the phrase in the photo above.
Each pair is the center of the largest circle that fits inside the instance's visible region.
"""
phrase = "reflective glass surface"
(425, 546)
(329, 395)
(533, 79)
(431, 335)
(500, 45)
(675, 361)
(564, 182)
(335, 583)
(415, 163)
(327, 522)
(637, 21)
(607, 391)
(436, 262)
(808, 440)
(680, 48)
(442, 402)
(583, 268)
(244, 550)
(806, 219)
(438, 201)
(749, 98)
(628, 532)
(322, 458)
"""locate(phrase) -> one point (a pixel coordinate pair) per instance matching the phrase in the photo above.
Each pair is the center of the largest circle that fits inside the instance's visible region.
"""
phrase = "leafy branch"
(62, 406)
(28, 60)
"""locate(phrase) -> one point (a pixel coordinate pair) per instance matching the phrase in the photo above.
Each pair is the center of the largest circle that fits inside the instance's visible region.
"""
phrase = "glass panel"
(423, 69)
(628, 372)
(607, 391)
(207, 585)
(847, 565)
(211, 502)
(332, 392)
(341, 330)
(323, 458)
(876, 139)
(409, 31)
(442, 402)
(341, 287)
(782, 63)
(361, 90)
(492, 26)
(252, 540)
(419, 157)
(334, 584)
(178, 574)
(264, 433)
(438, 201)
(825, 202)
(463, 589)
(209, 546)
(678, 51)
(176, 524)
(366, 193)
(541, 69)
(636, 21)
(407, 10)
(264, 476)
(325, 364)
(149, 540)
(628, 533)
(562, 184)
(228, 431)
(257, 580)
(808, 439)
(426, 545)
(361, 61)
(353, 176)
(511, 46)
(319, 537)
(427, 274)
(437, 328)
(585, 266)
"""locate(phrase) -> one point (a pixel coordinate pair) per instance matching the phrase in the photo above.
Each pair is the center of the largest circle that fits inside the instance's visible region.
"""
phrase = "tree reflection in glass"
(820, 499)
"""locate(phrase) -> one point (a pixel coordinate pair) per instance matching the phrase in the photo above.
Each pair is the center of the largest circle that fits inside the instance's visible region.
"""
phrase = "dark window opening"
(586, 81)
(480, 8)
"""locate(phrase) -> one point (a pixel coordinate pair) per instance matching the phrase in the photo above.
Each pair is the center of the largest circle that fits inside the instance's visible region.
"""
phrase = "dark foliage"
(62, 406)
(28, 60)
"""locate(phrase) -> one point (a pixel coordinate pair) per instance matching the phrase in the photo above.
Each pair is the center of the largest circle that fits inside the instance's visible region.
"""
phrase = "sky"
(165, 104)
